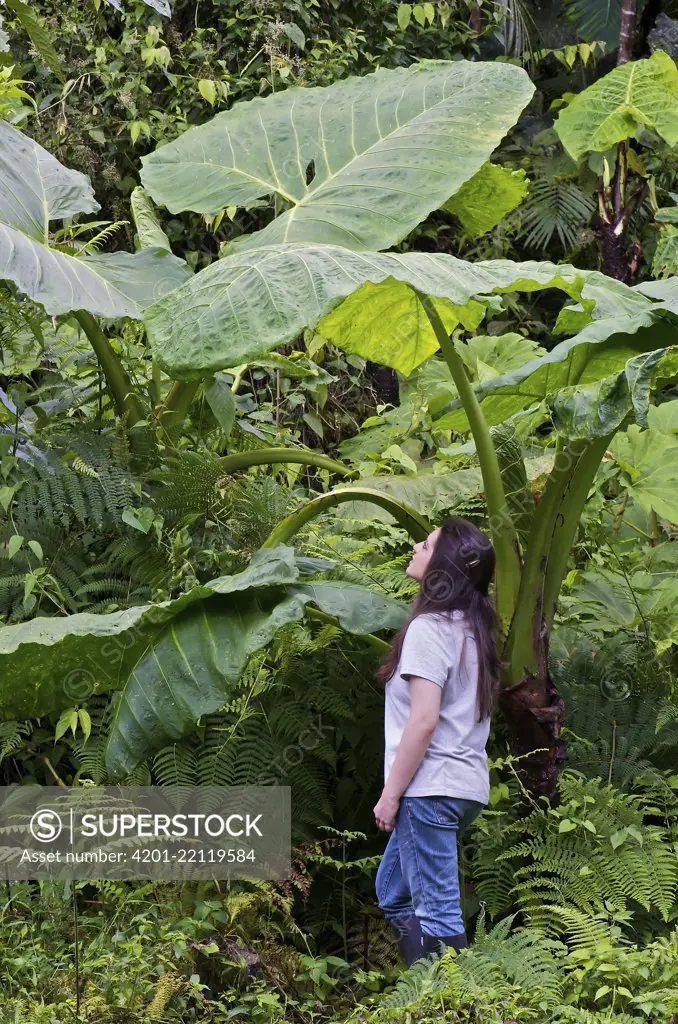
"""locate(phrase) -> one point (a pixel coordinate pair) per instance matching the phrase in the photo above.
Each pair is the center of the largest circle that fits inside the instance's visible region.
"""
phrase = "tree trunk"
(613, 201)
(626, 27)
(534, 712)
(617, 260)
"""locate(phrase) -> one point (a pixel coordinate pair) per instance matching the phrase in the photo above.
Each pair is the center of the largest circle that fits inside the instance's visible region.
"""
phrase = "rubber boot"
(431, 943)
(409, 937)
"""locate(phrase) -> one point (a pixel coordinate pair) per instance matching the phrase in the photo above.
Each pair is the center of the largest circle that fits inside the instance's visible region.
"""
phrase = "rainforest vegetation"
(283, 283)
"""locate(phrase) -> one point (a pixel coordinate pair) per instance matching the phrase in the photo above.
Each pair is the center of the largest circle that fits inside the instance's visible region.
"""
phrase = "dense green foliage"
(232, 393)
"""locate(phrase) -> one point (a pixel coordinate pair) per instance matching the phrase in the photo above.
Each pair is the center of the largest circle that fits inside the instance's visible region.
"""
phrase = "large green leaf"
(609, 601)
(175, 660)
(595, 21)
(392, 314)
(642, 92)
(381, 152)
(36, 189)
(248, 303)
(649, 463)
(189, 670)
(45, 661)
(200, 656)
(483, 201)
(594, 410)
(665, 259)
(600, 350)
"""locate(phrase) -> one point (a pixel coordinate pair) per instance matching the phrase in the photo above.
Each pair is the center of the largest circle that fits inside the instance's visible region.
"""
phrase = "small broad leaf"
(220, 399)
(85, 723)
(140, 518)
(665, 259)
(208, 90)
(36, 548)
(315, 423)
(38, 34)
(634, 831)
(67, 720)
(617, 839)
(566, 825)
(294, 33)
(146, 221)
(404, 16)
(14, 544)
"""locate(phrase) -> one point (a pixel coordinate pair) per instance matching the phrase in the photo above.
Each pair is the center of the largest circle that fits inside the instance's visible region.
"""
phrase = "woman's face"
(418, 564)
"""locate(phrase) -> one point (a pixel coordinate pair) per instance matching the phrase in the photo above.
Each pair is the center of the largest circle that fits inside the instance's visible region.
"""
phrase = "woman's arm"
(425, 697)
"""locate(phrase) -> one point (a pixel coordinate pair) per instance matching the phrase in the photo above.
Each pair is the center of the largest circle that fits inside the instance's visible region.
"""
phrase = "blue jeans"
(419, 872)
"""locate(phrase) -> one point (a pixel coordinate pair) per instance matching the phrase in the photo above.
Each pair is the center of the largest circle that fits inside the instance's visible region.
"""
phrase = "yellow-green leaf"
(14, 544)
(404, 16)
(208, 90)
(485, 199)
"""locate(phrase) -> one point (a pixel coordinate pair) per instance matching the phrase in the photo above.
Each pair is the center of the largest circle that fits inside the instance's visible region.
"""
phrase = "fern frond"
(12, 736)
(101, 238)
(558, 208)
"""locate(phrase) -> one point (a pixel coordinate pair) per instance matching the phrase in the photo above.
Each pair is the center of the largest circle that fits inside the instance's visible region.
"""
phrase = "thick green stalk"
(268, 456)
(177, 402)
(127, 401)
(416, 525)
(374, 641)
(502, 528)
(568, 519)
(522, 646)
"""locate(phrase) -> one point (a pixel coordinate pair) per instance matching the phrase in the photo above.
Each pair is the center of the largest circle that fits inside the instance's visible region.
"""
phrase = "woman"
(441, 678)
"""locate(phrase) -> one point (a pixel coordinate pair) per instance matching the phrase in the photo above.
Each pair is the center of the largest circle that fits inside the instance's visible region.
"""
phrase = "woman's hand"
(385, 811)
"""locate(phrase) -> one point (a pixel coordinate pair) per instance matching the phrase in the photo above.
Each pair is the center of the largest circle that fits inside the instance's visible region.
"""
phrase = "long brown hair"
(458, 576)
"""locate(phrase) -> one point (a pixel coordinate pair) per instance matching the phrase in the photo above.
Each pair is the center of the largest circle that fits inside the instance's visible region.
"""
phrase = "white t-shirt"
(441, 648)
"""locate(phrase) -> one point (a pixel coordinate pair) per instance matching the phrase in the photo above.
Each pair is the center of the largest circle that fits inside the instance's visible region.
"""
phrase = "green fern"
(554, 208)
(12, 737)
(616, 861)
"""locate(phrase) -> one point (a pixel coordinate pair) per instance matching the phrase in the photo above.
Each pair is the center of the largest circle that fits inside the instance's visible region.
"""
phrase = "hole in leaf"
(310, 171)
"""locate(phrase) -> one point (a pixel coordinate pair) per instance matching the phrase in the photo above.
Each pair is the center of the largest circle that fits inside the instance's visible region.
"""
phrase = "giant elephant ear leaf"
(36, 189)
(642, 92)
(175, 660)
(198, 658)
(248, 303)
(46, 661)
(358, 163)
